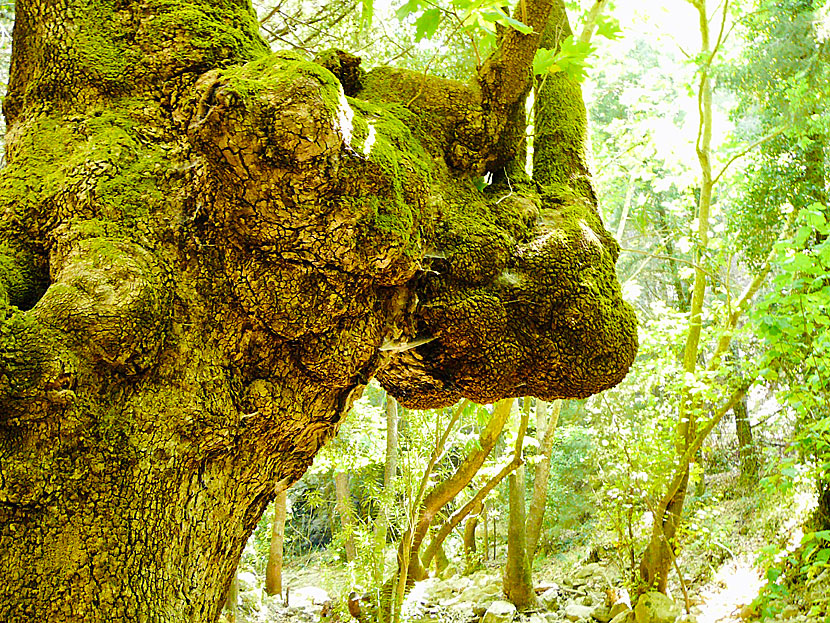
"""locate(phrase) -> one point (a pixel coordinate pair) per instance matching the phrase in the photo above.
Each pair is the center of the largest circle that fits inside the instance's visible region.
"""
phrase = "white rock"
(550, 598)
(307, 595)
(499, 612)
(247, 581)
(575, 612)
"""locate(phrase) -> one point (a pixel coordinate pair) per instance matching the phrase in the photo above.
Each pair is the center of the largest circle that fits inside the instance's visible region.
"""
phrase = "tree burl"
(207, 250)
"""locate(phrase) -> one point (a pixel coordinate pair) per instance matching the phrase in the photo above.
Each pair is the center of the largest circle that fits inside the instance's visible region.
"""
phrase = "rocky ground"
(591, 594)
(722, 584)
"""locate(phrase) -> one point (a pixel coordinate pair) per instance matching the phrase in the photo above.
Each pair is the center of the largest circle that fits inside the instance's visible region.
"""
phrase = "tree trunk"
(485, 521)
(747, 456)
(658, 557)
(441, 561)
(231, 602)
(659, 553)
(538, 502)
(459, 515)
(205, 259)
(471, 557)
(345, 508)
(273, 570)
(518, 582)
(390, 468)
(446, 490)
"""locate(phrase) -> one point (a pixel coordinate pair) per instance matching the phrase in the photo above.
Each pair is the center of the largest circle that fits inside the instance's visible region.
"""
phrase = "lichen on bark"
(206, 255)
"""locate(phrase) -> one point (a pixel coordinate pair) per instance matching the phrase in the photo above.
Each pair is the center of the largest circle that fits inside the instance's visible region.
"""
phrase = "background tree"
(518, 581)
(276, 551)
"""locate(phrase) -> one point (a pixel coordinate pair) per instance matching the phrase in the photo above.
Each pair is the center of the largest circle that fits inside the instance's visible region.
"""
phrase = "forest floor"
(725, 531)
(728, 594)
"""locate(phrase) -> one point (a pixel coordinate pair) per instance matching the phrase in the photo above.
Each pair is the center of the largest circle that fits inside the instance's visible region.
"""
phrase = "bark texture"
(207, 249)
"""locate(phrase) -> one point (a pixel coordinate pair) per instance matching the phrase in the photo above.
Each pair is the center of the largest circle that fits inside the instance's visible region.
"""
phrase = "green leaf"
(516, 25)
(789, 472)
(367, 13)
(815, 218)
(427, 24)
(544, 60)
(608, 27)
(408, 9)
(769, 374)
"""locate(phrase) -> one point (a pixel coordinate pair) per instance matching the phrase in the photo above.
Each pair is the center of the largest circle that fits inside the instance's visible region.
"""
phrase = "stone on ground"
(499, 612)
(550, 598)
(575, 612)
(656, 608)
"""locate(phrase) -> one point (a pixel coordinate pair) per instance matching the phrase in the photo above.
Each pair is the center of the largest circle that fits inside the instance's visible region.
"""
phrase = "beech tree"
(206, 251)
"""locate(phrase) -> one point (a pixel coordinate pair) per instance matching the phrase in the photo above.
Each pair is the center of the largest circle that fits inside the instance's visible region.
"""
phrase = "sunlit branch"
(745, 151)
(659, 256)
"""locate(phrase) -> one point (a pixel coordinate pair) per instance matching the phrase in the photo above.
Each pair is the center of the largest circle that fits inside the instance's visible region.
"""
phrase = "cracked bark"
(203, 248)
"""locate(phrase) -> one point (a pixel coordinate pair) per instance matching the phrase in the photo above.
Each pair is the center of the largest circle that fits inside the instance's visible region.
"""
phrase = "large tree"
(206, 251)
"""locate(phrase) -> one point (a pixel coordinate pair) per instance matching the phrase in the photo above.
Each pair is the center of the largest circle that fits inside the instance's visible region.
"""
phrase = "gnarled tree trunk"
(207, 249)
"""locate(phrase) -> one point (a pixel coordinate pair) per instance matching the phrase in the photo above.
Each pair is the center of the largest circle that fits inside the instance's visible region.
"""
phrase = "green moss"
(384, 139)
(213, 30)
(102, 48)
(34, 173)
(110, 50)
(559, 158)
(57, 158)
(276, 71)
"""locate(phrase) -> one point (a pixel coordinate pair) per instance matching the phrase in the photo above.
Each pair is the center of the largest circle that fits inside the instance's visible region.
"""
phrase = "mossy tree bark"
(747, 457)
(206, 250)
(518, 580)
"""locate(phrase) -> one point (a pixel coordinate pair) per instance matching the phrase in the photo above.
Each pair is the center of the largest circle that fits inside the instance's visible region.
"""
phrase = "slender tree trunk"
(658, 557)
(536, 513)
(445, 491)
(747, 455)
(681, 290)
(394, 591)
(471, 557)
(485, 520)
(441, 561)
(232, 601)
(458, 516)
(345, 509)
(518, 581)
(273, 570)
(387, 497)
